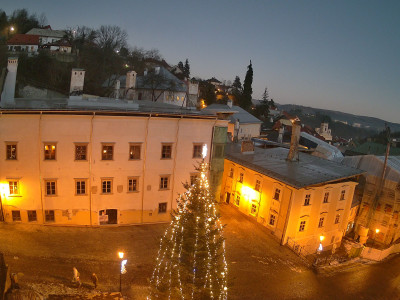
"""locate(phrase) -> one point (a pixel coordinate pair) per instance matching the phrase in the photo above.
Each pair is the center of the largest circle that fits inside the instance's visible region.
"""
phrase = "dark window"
(132, 184)
(307, 200)
(50, 188)
(107, 153)
(272, 220)
(237, 200)
(164, 182)
(50, 151)
(277, 194)
(258, 185)
(11, 152)
(302, 225)
(337, 219)
(342, 195)
(326, 197)
(162, 207)
(32, 216)
(253, 209)
(106, 186)
(166, 151)
(198, 151)
(16, 215)
(80, 152)
(241, 177)
(81, 187)
(134, 152)
(231, 173)
(321, 222)
(49, 215)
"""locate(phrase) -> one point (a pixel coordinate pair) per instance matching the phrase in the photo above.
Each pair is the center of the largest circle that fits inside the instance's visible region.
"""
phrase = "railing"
(306, 256)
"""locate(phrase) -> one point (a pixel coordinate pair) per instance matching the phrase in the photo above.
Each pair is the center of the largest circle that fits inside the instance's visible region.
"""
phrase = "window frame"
(130, 154)
(231, 172)
(50, 156)
(136, 178)
(164, 155)
(49, 181)
(105, 155)
(16, 215)
(241, 177)
(302, 226)
(47, 213)
(277, 193)
(257, 186)
(307, 200)
(342, 195)
(30, 213)
(80, 180)
(237, 200)
(337, 219)
(76, 152)
(272, 218)
(16, 188)
(253, 209)
(321, 222)
(197, 152)
(106, 179)
(326, 197)
(9, 157)
(164, 206)
(161, 183)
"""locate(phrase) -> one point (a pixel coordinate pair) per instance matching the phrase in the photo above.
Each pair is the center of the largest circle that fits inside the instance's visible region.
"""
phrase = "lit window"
(32, 216)
(162, 207)
(342, 194)
(237, 200)
(307, 200)
(302, 226)
(272, 220)
(16, 215)
(337, 219)
(49, 215)
(277, 194)
(50, 151)
(231, 173)
(258, 185)
(106, 186)
(198, 151)
(132, 184)
(13, 186)
(164, 182)
(80, 152)
(241, 177)
(50, 186)
(134, 151)
(80, 187)
(326, 197)
(107, 152)
(166, 151)
(253, 209)
(11, 151)
(321, 222)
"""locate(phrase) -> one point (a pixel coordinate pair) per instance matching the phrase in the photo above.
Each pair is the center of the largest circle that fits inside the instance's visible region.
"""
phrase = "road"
(259, 268)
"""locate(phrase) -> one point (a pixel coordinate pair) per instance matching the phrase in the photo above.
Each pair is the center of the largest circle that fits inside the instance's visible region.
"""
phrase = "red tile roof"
(24, 39)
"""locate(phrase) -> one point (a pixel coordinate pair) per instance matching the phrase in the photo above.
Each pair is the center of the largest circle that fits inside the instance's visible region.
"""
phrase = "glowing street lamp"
(123, 269)
(321, 238)
(377, 231)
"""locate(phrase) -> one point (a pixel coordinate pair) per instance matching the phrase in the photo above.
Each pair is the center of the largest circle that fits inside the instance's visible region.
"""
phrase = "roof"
(47, 32)
(375, 148)
(373, 165)
(23, 39)
(308, 171)
(240, 114)
(213, 79)
(61, 43)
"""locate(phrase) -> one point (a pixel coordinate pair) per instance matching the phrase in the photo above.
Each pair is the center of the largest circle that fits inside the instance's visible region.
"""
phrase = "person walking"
(94, 279)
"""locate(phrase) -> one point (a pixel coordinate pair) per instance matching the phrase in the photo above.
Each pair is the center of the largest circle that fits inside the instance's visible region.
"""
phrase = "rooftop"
(47, 32)
(308, 171)
(240, 114)
(23, 39)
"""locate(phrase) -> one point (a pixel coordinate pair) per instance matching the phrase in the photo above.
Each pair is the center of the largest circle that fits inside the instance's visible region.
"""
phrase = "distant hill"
(342, 124)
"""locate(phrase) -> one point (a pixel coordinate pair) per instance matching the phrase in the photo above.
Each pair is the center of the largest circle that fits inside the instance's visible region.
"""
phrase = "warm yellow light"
(321, 238)
(46, 147)
(377, 230)
(12, 28)
(53, 147)
(249, 192)
(121, 255)
(4, 189)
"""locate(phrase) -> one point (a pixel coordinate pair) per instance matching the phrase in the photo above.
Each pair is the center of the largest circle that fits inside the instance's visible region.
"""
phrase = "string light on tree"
(191, 262)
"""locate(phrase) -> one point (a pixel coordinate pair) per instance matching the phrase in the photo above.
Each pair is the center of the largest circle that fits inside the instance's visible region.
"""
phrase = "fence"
(306, 256)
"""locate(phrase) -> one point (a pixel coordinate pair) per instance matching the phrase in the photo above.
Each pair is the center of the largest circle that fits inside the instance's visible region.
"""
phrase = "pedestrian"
(76, 278)
(94, 279)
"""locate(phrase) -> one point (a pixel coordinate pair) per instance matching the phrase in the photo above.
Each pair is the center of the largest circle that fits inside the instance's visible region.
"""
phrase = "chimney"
(247, 147)
(8, 95)
(229, 103)
(280, 136)
(145, 72)
(294, 142)
(130, 80)
(117, 87)
(77, 80)
(157, 70)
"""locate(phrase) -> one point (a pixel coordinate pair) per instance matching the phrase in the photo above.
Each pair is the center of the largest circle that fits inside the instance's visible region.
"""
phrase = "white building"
(97, 161)
(324, 131)
(47, 35)
(23, 43)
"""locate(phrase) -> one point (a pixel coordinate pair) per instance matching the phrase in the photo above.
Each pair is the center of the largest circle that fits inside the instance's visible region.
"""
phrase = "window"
(32, 216)
(321, 222)
(13, 185)
(337, 219)
(11, 151)
(241, 177)
(16, 215)
(164, 182)
(108, 152)
(80, 152)
(277, 194)
(193, 178)
(166, 151)
(49, 215)
(218, 151)
(162, 207)
(307, 200)
(332, 239)
(231, 173)
(302, 226)
(80, 187)
(197, 150)
(253, 209)
(272, 220)
(50, 151)
(342, 194)
(106, 186)
(134, 151)
(132, 184)
(50, 186)
(237, 200)
(258, 185)
(326, 197)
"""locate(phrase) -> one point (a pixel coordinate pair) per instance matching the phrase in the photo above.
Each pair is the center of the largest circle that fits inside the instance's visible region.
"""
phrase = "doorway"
(228, 197)
(108, 216)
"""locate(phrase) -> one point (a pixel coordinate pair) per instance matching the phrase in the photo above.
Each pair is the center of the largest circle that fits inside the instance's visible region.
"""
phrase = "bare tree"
(157, 81)
(111, 37)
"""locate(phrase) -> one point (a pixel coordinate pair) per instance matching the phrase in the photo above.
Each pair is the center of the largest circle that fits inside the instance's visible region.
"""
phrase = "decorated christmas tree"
(191, 261)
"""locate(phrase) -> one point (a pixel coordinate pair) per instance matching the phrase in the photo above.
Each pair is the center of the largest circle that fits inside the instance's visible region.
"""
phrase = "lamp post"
(321, 238)
(122, 270)
(376, 233)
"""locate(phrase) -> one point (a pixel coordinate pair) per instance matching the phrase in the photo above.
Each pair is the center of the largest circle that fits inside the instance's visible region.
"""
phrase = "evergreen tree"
(245, 102)
(180, 66)
(186, 69)
(191, 261)
(262, 109)
(265, 96)
(237, 90)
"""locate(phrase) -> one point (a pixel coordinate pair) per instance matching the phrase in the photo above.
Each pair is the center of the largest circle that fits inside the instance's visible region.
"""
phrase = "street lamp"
(321, 238)
(123, 269)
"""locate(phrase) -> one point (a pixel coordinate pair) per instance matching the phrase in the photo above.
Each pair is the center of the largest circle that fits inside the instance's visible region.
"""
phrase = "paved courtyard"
(259, 268)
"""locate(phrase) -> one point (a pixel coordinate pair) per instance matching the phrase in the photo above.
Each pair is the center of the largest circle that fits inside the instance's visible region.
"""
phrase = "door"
(112, 216)
(228, 197)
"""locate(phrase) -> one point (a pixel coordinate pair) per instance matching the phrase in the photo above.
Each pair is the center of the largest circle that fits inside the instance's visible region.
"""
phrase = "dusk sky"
(339, 55)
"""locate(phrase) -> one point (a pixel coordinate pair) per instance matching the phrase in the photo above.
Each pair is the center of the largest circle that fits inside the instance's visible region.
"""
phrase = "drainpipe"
(283, 239)
(40, 165)
(90, 168)
(144, 165)
(174, 165)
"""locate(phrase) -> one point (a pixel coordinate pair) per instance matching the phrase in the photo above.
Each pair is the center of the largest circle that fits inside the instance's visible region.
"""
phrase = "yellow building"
(298, 201)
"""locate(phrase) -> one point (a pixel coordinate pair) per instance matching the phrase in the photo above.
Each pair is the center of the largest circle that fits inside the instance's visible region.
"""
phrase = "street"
(259, 268)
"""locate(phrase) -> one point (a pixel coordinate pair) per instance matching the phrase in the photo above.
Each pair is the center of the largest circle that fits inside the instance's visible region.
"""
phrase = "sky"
(338, 55)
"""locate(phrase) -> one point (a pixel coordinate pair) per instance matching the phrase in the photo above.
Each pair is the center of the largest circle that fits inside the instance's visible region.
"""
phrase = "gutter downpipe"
(174, 165)
(283, 239)
(40, 165)
(144, 165)
(90, 168)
